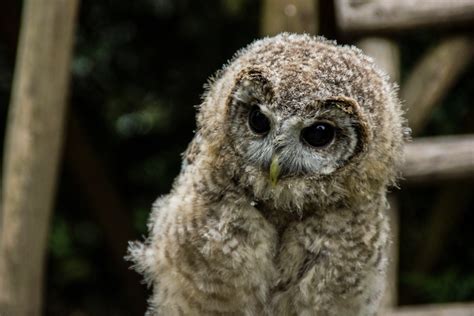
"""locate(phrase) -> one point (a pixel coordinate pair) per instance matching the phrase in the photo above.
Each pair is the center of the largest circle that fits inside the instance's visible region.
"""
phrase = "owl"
(279, 208)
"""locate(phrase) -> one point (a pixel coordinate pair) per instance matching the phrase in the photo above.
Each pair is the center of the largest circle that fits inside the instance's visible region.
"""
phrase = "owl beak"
(274, 170)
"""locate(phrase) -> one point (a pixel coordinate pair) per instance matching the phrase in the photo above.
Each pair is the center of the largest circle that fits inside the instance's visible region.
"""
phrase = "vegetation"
(138, 71)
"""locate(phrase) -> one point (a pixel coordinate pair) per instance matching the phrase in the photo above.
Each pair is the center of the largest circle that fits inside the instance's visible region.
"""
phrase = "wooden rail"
(459, 309)
(395, 15)
(439, 158)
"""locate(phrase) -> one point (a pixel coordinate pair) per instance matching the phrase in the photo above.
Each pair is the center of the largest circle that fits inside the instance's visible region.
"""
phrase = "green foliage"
(138, 72)
(450, 285)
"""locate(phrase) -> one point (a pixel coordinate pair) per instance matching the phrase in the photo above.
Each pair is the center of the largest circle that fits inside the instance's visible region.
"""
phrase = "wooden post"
(432, 78)
(395, 15)
(386, 55)
(32, 150)
(297, 16)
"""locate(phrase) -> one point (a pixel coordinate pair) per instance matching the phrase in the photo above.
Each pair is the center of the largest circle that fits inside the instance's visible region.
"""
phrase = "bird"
(280, 204)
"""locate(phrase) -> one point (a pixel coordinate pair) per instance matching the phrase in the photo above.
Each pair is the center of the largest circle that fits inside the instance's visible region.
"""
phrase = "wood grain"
(296, 16)
(431, 79)
(396, 15)
(460, 309)
(439, 158)
(32, 150)
(386, 55)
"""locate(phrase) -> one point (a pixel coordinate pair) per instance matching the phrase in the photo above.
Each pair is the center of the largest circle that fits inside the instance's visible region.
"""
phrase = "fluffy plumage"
(228, 241)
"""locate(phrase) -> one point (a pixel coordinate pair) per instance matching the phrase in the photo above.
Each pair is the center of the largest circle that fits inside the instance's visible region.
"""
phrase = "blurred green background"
(137, 73)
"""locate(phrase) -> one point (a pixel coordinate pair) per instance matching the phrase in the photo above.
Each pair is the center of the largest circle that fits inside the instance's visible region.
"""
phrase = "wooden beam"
(32, 150)
(439, 158)
(296, 16)
(386, 55)
(395, 15)
(460, 309)
(431, 79)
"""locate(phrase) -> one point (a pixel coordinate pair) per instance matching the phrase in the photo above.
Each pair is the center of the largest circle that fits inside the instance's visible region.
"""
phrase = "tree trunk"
(32, 150)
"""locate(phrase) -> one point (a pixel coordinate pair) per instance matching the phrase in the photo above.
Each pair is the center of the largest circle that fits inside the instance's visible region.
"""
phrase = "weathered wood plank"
(460, 309)
(297, 16)
(32, 150)
(431, 79)
(438, 158)
(386, 55)
(390, 15)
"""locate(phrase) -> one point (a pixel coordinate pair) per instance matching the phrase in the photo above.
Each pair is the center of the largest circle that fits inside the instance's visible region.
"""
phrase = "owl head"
(296, 119)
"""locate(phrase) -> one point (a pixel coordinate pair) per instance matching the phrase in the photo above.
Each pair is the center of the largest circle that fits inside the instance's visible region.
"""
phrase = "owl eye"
(319, 134)
(258, 122)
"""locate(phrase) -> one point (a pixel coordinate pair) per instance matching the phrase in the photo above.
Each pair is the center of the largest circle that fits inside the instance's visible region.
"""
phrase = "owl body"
(279, 208)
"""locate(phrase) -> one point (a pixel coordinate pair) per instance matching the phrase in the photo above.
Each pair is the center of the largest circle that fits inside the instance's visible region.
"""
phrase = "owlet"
(279, 208)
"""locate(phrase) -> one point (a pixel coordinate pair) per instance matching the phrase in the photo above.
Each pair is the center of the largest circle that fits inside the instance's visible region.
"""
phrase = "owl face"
(298, 120)
(289, 138)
